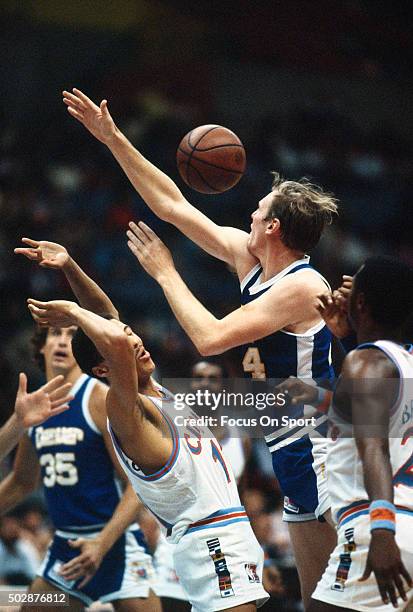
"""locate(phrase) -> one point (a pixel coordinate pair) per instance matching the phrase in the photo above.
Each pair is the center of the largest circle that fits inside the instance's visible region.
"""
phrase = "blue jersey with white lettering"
(296, 450)
(77, 472)
(283, 353)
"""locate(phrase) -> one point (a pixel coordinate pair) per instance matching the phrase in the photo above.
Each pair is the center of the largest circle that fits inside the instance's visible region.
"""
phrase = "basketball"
(211, 159)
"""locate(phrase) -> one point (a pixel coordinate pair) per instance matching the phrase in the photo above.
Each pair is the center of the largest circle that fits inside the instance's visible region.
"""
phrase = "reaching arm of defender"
(283, 305)
(33, 409)
(55, 256)
(372, 386)
(23, 479)
(158, 191)
(131, 415)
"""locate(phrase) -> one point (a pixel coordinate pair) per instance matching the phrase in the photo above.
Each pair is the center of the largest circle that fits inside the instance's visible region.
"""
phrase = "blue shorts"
(125, 572)
(300, 470)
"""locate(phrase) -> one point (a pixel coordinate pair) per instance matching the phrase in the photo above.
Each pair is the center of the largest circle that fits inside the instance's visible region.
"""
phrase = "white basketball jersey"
(344, 468)
(196, 487)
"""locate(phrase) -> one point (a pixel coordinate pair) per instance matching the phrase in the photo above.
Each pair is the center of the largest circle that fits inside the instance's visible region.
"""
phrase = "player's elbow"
(210, 346)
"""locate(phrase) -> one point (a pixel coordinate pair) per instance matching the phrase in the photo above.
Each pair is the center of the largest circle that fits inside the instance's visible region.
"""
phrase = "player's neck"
(276, 258)
(70, 376)
(148, 387)
(372, 334)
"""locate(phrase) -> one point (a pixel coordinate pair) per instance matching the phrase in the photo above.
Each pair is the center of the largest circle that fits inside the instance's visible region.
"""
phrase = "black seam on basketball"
(204, 180)
(195, 145)
(233, 144)
(191, 157)
(215, 127)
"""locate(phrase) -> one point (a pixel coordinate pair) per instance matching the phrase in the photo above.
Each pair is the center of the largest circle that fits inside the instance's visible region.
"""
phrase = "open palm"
(47, 254)
(95, 118)
(34, 408)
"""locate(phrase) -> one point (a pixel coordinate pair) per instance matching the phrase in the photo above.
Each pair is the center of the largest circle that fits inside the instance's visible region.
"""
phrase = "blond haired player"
(278, 288)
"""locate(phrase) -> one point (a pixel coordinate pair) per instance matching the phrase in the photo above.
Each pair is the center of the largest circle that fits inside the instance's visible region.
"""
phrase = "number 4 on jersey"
(252, 363)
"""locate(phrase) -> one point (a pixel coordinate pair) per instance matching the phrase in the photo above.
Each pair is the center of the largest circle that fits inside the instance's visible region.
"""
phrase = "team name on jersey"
(52, 436)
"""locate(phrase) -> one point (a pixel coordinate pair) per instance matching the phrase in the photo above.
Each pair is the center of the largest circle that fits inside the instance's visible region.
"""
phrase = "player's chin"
(146, 368)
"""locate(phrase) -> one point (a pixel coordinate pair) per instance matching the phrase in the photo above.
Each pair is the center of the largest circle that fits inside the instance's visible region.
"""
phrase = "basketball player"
(97, 553)
(370, 463)
(278, 322)
(183, 478)
(205, 376)
(33, 409)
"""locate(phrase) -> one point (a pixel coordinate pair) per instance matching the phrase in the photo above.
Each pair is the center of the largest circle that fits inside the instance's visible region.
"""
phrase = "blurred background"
(317, 89)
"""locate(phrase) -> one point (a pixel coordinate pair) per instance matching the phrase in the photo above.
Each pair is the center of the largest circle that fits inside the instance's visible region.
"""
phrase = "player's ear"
(101, 370)
(273, 226)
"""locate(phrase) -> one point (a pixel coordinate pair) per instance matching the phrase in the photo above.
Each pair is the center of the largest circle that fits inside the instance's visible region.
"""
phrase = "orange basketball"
(211, 159)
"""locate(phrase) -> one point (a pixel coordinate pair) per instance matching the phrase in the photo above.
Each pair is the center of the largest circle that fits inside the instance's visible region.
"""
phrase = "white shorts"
(166, 582)
(221, 567)
(125, 572)
(339, 585)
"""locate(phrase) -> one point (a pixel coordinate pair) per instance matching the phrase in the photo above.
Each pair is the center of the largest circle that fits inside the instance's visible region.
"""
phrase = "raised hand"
(333, 309)
(95, 118)
(57, 313)
(149, 249)
(47, 254)
(34, 408)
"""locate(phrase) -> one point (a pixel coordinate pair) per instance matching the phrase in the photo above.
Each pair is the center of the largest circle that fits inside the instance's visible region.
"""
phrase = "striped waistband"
(223, 517)
(361, 508)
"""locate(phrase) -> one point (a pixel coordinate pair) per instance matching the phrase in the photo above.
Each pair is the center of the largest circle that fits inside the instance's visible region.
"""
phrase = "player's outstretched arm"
(159, 192)
(373, 386)
(33, 409)
(52, 255)
(282, 305)
(131, 415)
(24, 477)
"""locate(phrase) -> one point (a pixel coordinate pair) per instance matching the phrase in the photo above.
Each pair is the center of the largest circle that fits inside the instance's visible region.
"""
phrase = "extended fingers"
(30, 253)
(147, 230)
(38, 303)
(53, 384)
(135, 238)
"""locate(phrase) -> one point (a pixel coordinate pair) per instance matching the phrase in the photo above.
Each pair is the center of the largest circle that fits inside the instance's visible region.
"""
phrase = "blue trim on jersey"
(168, 465)
(225, 511)
(84, 494)
(219, 524)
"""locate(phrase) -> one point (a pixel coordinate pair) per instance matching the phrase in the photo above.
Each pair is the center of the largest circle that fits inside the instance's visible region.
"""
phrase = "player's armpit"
(140, 432)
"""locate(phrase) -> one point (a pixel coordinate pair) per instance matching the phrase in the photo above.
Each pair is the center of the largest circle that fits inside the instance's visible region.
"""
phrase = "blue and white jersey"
(79, 479)
(283, 353)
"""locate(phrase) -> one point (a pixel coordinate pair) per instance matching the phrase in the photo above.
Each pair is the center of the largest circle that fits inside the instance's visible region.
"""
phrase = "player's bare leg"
(312, 542)
(138, 604)
(39, 585)
(175, 605)
(320, 606)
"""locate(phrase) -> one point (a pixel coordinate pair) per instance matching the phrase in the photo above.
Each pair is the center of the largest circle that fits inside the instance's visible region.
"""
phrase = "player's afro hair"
(387, 285)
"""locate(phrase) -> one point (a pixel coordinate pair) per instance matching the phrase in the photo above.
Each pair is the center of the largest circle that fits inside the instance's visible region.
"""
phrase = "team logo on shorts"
(251, 569)
(289, 506)
(345, 561)
(221, 569)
